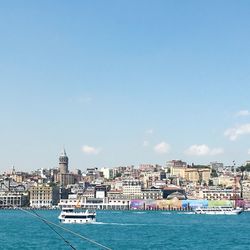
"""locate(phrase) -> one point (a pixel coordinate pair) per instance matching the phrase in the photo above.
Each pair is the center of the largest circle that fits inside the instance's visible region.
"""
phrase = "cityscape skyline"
(124, 83)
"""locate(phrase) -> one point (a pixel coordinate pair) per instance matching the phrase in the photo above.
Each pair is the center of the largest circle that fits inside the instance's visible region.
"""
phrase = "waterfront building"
(220, 194)
(151, 193)
(94, 203)
(12, 194)
(13, 199)
(43, 196)
(131, 189)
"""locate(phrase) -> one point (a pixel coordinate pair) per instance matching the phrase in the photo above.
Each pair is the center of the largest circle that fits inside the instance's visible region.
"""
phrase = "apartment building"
(43, 196)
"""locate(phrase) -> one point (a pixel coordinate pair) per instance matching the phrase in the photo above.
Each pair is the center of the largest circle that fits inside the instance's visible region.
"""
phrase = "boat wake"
(186, 213)
(118, 224)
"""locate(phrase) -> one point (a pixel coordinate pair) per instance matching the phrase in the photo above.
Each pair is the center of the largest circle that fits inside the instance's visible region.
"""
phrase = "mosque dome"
(177, 195)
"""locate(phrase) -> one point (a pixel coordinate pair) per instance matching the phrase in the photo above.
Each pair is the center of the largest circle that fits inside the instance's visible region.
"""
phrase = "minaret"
(63, 163)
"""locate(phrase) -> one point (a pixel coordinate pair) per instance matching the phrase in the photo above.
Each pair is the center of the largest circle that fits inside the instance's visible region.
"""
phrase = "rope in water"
(58, 226)
(53, 229)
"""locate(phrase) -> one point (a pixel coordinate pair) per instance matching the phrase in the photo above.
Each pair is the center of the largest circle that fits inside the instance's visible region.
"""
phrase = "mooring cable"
(58, 226)
(53, 229)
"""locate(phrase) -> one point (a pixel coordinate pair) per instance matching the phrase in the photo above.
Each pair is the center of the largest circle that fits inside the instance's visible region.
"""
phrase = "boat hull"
(70, 216)
(77, 221)
(218, 211)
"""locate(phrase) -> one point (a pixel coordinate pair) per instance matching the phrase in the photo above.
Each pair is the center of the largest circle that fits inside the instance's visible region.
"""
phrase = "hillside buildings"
(146, 184)
(192, 173)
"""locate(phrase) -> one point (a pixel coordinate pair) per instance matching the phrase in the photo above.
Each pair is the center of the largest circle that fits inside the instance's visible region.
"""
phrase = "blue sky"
(124, 82)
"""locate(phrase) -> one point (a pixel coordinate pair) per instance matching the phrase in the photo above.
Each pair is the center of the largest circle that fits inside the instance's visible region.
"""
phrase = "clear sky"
(124, 82)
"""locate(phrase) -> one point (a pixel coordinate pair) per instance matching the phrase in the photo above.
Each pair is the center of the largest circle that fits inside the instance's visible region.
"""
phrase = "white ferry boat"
(218, 210)
(71, 215)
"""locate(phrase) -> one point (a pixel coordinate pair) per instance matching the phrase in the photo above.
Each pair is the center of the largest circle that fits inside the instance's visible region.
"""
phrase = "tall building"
(63, 177)
(63, 163)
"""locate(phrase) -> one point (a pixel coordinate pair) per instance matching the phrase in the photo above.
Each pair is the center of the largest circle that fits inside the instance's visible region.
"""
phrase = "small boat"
(72, 215)
(218, 210)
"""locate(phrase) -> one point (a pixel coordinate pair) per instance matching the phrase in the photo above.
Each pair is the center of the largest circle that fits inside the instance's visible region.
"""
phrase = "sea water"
(128, 230)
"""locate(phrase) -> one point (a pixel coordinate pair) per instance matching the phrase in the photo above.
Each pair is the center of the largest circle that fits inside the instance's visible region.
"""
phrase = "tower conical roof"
(63, 152)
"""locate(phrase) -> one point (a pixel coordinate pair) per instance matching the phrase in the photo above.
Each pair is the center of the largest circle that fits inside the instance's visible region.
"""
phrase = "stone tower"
(63, 163)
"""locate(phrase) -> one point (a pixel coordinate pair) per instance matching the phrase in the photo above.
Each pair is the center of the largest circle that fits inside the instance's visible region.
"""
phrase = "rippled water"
(129, 230)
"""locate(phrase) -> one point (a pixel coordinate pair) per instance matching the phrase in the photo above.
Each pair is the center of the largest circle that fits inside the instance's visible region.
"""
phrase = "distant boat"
(218, 210)
(71, 215)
